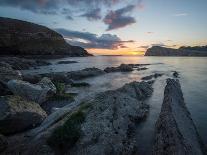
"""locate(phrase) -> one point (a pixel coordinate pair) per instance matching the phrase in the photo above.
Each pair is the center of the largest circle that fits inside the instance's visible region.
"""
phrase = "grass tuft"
(81, 84)
(65, 136)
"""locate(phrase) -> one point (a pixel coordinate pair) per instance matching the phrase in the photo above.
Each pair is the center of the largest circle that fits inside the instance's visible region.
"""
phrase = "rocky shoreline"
(52, 121)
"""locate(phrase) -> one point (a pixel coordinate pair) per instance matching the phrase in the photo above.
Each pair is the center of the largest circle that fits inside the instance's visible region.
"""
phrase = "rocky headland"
(183, 51)
(21, 38)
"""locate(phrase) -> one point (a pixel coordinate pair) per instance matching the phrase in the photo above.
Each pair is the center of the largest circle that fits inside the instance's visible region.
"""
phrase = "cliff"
(183, 51)
(24, 38)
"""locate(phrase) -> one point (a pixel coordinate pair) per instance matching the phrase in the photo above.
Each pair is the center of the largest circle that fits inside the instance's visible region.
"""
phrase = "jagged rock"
(3, 143)
(143, 68)
(31, 78)
(121, 68)
(183, 51)
(175, 132)
(22, 63)
(175, 74)
(156, 75)
(7, 73)
(85, 73)
(4, 90)
(66, 62)
(39, 92)
(17, 114)
(25, 38)
(58, 77)
(110, 121)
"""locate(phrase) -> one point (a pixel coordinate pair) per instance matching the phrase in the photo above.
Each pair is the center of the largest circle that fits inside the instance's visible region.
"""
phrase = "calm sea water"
(193, 79)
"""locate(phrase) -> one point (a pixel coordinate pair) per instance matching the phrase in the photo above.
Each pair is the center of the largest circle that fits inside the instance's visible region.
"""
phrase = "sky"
(117, 27)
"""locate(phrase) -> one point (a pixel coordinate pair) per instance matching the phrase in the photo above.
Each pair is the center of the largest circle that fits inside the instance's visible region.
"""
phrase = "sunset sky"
(117, 26)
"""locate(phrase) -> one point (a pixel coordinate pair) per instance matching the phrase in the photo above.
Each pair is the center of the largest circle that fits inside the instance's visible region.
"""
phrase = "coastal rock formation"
(39, 92)
(85, 73)
(17, 114)
(107, 122)
(175, 132)
(156, 75)
(7, 73)
(121, 68)
(3, 143)
(21, 63)
(162, 51)
(24, 38)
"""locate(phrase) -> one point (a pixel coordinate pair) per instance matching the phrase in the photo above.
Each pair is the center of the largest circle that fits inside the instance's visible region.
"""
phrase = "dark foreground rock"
(22, 63)
(3, 143)
(23, 38)
(175, 132)
(39, 92)
(106, 124)
(17, 114)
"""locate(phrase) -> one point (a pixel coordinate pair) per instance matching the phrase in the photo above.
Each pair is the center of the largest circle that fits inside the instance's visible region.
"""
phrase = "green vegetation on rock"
(81, 84)
(65, 136)
(60, 94)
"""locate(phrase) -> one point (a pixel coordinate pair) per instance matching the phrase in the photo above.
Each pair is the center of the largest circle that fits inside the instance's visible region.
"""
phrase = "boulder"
(66, 62)
(85, 73)
(17, 114)
(111, 119)
(7, 73)
(175, 132)
(3, 143)
(58, 77)
(39, 92)
(4, 90)
(121, 68)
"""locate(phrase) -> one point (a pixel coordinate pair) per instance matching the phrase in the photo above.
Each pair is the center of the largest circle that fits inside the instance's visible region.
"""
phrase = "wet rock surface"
(39, 92)
(175, 131)
(22, 63)
(109, 124)
(121, 68)
(156, 75)
(66, 62)
(18, 114)
(85, 73)
(7, 73)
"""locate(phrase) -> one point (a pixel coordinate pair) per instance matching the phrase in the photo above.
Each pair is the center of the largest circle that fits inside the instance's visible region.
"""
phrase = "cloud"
(150, 32)
(89, 9)
(94, 14)
(180, 14)
(159, 44)
(69, 17)
(145, 47)
(90, 40)
(118, 18)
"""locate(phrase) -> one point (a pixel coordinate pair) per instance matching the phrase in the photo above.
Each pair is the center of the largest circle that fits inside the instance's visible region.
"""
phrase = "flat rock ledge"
(175, 132)
(111, 121)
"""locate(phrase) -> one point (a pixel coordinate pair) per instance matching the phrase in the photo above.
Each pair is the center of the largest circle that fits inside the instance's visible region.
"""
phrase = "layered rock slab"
(175, 131)
(111, 121)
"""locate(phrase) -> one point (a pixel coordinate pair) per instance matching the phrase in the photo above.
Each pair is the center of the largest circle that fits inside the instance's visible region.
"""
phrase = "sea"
(192, 77)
